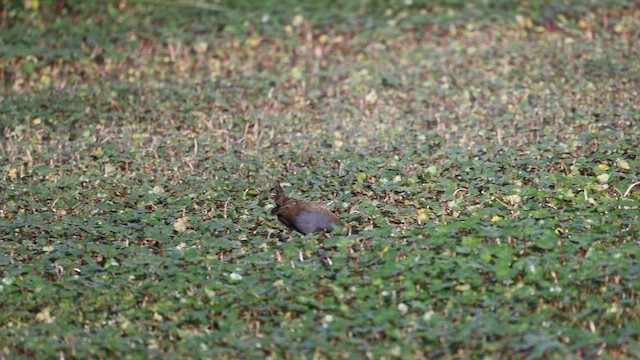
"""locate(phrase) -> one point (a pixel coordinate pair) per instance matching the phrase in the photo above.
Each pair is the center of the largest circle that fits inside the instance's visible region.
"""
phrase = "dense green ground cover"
(488, 152)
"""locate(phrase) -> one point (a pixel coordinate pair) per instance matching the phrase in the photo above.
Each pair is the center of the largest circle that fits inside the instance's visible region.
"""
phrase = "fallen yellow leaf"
(181, 224)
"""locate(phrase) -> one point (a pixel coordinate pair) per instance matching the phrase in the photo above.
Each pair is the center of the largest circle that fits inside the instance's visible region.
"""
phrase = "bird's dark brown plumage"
(303, 216)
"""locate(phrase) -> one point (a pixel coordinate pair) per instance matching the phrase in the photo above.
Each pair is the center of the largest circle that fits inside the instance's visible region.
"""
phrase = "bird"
(303, 216)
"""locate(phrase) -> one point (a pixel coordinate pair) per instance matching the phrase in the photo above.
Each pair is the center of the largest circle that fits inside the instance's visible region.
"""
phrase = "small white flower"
(427, 316)
(403, 308)
(157, 190)
(235, 276)
(327, 320)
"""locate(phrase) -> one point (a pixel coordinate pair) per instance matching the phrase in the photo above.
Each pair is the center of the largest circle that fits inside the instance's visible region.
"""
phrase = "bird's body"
(303, 216)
